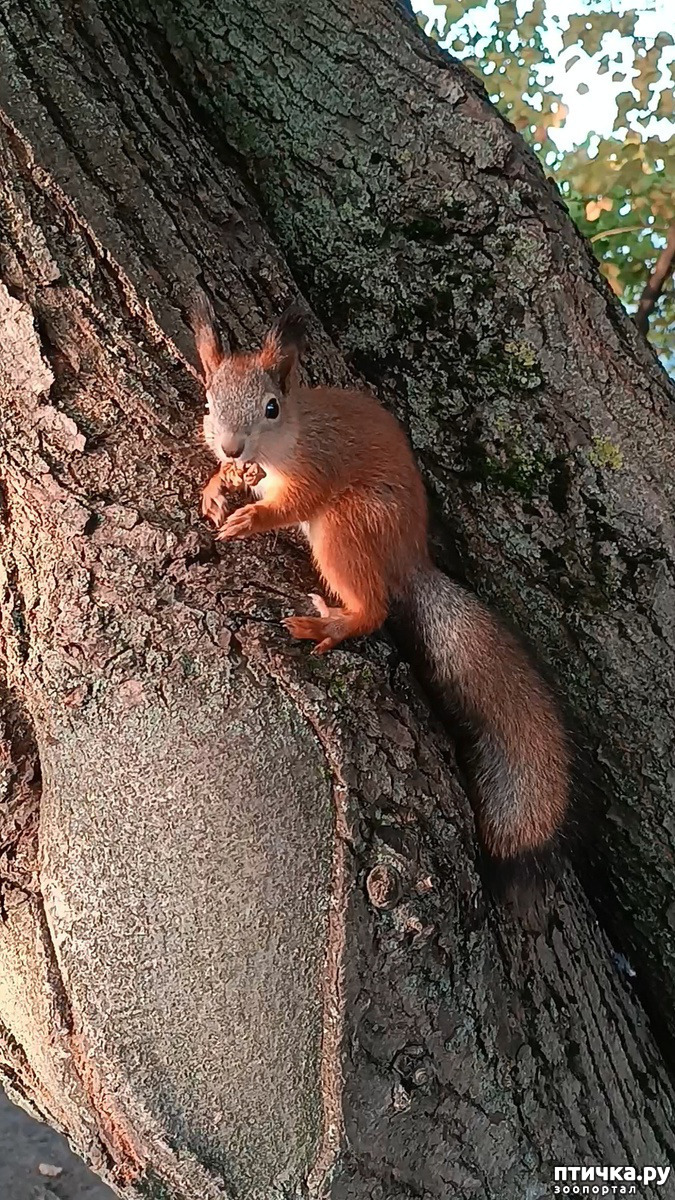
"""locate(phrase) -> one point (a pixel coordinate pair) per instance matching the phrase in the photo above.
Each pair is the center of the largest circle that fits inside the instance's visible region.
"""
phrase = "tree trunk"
(446, 269)
(243, 945)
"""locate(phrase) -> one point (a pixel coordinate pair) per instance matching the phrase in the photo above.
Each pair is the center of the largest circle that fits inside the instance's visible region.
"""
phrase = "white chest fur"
(271, 486)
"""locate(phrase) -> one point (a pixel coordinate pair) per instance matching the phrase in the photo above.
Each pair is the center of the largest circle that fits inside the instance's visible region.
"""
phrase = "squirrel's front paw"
(213, 504)
(240, 524)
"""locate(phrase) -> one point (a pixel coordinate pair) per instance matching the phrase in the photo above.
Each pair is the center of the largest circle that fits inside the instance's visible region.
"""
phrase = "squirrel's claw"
(239, 524)
(229, 478)
(213, 505)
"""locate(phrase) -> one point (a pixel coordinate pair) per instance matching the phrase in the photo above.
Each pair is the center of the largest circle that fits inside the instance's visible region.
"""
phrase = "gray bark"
(244, 949)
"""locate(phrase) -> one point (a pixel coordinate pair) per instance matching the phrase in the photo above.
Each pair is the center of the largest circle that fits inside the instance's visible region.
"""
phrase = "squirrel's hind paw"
(314, 629)
(310, 628)
(327, 644)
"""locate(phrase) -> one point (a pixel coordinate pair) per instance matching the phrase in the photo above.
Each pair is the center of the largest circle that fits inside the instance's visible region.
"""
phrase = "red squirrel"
(335, 463)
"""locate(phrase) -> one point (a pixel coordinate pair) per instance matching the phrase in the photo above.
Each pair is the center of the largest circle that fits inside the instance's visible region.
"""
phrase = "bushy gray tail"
(517, 756)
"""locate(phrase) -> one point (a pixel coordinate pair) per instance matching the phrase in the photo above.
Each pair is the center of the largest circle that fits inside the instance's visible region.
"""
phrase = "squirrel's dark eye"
(272, 409)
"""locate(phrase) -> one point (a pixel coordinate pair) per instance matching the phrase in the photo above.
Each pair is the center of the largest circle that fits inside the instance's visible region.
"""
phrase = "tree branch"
(606, 233)
(657, 279)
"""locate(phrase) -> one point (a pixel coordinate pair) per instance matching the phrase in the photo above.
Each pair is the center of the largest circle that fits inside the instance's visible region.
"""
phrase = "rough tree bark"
(445, 266)
(243, 945)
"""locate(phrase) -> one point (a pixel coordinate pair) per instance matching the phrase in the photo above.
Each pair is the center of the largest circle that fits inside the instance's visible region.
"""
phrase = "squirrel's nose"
(232, 446)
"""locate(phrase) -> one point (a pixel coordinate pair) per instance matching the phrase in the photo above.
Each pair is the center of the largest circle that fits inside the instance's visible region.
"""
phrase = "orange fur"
(339, 465)
(365, 506)
(207, 339)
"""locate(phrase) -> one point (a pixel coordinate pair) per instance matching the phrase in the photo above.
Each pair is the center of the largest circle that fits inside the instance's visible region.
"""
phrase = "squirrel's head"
(250, 414)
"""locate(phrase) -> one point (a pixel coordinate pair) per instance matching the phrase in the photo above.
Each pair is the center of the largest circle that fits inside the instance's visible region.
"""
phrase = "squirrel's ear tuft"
(208, 340)
(291, 328)
(284, 344)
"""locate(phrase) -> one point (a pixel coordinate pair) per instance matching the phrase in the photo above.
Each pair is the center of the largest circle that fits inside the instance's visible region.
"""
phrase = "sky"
(594, 110)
